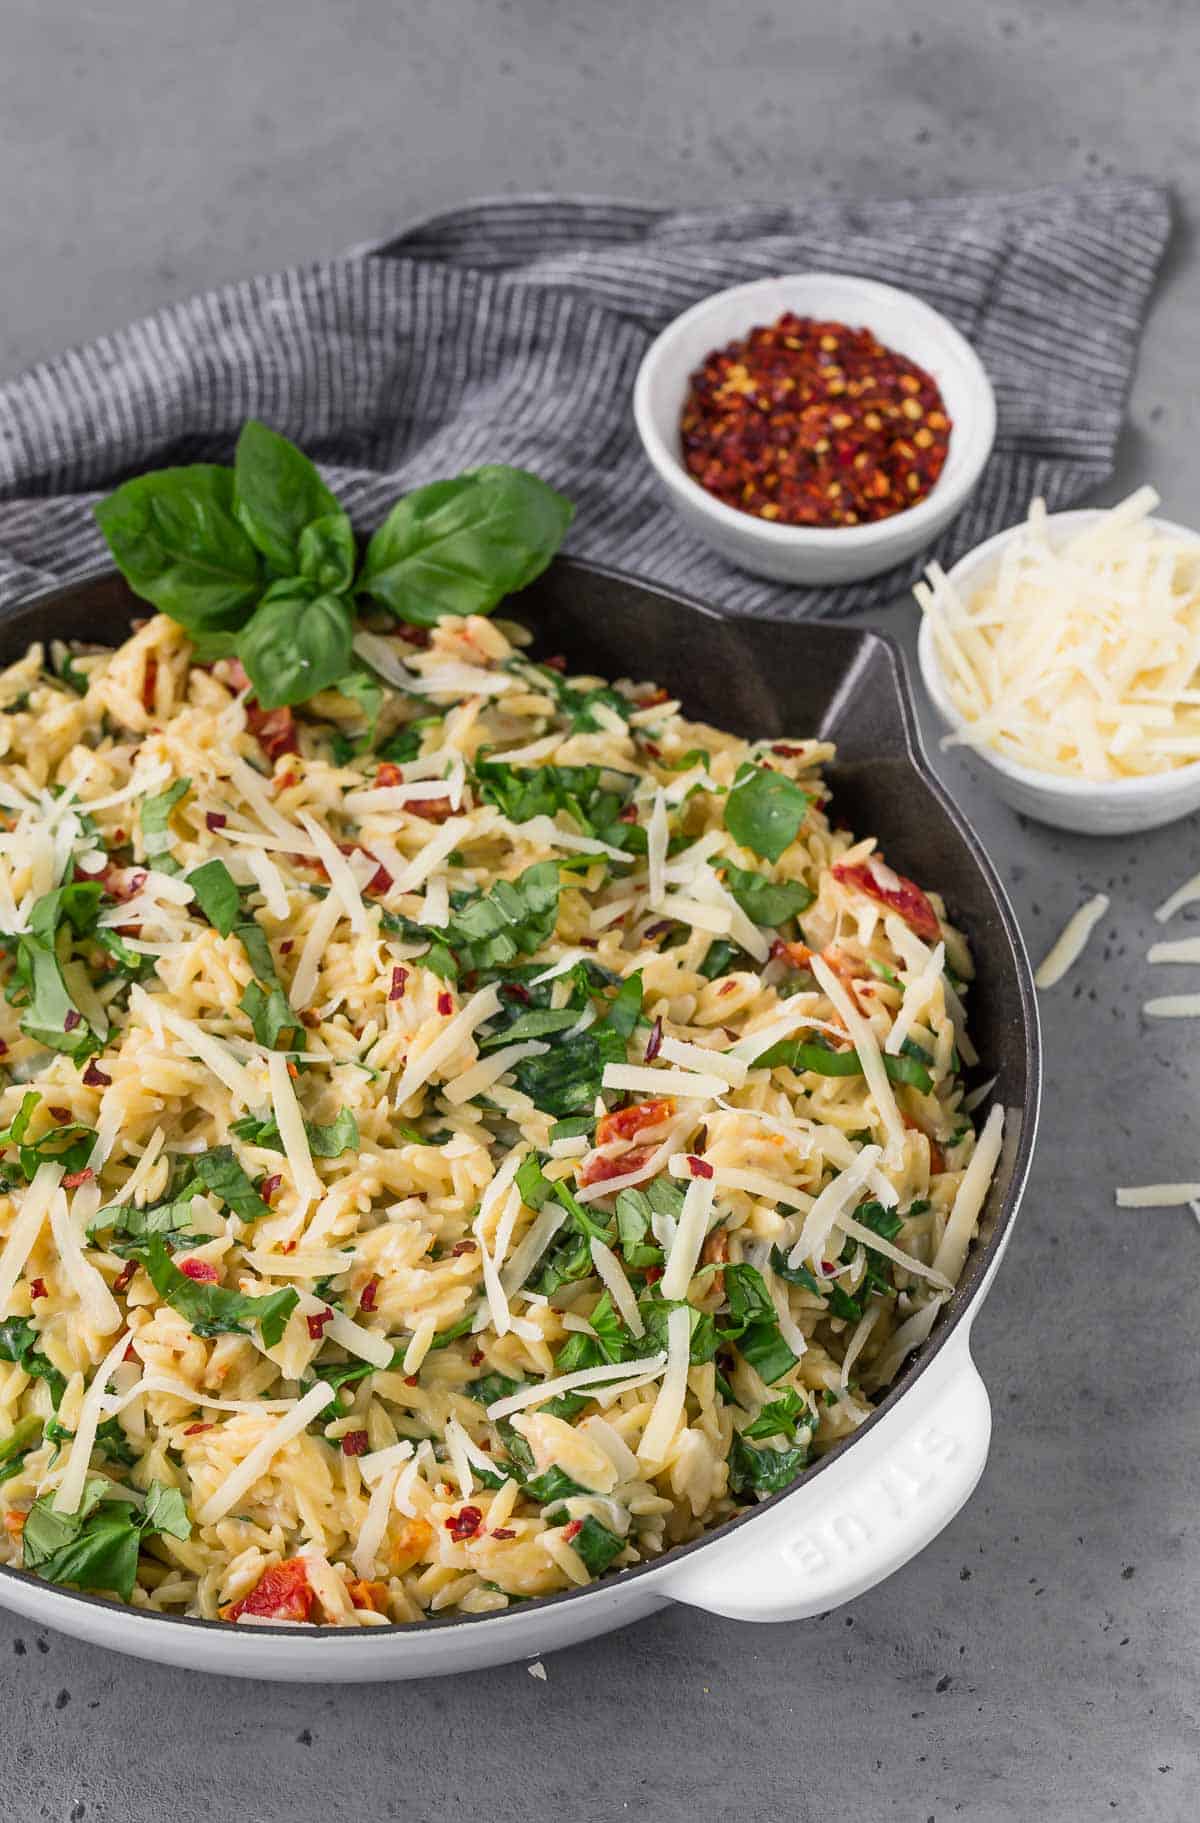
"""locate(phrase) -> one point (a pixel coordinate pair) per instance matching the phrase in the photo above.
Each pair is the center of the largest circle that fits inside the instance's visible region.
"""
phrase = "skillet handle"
(867, 1513)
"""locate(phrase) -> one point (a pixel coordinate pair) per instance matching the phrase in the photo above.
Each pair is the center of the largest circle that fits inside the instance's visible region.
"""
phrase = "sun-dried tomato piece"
(281, 1593)
(598, 1169)
(903, 896)
(625, 1123)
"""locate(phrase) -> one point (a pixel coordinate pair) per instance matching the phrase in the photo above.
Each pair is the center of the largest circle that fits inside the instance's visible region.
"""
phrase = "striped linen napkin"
(511, 331)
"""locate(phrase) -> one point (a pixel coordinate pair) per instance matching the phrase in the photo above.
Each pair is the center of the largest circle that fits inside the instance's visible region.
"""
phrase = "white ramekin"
(1121, 807)
(801, 554)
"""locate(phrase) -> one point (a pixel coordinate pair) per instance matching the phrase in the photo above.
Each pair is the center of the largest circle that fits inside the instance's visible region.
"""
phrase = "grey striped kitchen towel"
(511, 330)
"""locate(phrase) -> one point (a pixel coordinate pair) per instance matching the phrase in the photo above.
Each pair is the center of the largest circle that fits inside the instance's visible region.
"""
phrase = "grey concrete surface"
(1039, 1660)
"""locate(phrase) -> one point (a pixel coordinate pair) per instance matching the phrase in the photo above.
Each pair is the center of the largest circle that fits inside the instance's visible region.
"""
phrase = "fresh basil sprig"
(261, 561)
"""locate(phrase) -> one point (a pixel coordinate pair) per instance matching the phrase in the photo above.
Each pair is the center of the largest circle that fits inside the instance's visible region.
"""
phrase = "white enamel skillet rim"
(880, 1496)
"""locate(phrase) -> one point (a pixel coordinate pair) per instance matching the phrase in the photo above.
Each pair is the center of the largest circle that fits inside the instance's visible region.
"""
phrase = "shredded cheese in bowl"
(449, 1160)
(1071, 645)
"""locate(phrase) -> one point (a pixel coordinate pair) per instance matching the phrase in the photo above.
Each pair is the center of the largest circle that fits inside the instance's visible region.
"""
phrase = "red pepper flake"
(628, 814)
(699, 1167)
(814, 423)
(124, 1277)
(367, 1297)
(316, 1323)
(653, 931)
(38, 1288)
(557, 663)
(269, 1186)
(503, 1531)
(215, 819)
(4, 1050)
(287, 946)
(654, 1273)
(285, 781)
(786, 752)
(516, 990)
(654, 1042)
(59, 1114)
(354, 1443)
(445, 1004)
(310, 1019)
(465, 1523)
(653, 698)
(588, 942)
(293, 1069)
(200, 1270)
(149, 683)
(131, 1353)
(572, 1531)
(476, 1356)
(194, 1430)
(652, 749)
(461, 1247)
(71, 1020)
(399, 977)
(73, 1179)
(412, 1380)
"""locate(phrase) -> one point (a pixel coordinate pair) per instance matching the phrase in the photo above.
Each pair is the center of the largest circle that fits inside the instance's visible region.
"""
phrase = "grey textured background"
(1039, 1660)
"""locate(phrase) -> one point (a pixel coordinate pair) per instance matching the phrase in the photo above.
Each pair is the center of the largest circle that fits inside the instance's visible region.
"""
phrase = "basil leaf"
(296, 644)
(341, 1135)
(634, 1233)
(178, 545)
(793, 1275)
(216, 895)
(461, 546)
(799, 1055)
(765, 901)
(277, 495)
(253, 939)
(596, 1545)
(166, 1512)
(781, 1417)
(515, 918)
(156, 820)
(541, 1022)
(50, 1016)
(269, 1014)
(128, 1227)
(328, 552)
(764, 810)
(211, 1310)
(19, 1343)
(763, 1471)
(719, 958)
(704, 1338)
(222, 1176)
(534, 1186)
(97, 1547)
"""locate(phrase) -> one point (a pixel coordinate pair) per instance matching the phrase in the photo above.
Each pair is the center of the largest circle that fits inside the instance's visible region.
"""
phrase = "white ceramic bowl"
(801, 554)
(1121, 807)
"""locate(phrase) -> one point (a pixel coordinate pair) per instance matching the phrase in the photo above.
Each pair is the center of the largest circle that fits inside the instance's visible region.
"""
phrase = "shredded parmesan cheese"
(1069, 946)
(260, 1458)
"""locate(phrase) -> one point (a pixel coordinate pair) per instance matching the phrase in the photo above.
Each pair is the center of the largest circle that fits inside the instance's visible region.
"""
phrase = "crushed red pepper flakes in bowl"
(814, 423)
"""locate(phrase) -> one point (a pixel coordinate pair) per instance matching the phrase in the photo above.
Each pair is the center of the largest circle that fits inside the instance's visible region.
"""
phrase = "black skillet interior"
(755, 677)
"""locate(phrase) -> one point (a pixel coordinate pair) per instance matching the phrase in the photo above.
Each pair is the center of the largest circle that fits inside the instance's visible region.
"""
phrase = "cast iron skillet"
(755, 678)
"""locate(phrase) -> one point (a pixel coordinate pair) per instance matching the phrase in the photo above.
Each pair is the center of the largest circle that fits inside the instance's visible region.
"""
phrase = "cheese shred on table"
(449, 1159)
